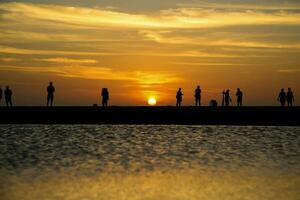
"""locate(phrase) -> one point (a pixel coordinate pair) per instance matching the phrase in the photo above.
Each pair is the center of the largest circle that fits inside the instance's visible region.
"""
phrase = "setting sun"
(152, 101)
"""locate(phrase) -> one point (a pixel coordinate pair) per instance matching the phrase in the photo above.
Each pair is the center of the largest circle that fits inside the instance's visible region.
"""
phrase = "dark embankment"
(152, 115)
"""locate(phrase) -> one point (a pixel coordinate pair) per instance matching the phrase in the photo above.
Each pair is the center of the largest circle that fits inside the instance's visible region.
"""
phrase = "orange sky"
(149, 50)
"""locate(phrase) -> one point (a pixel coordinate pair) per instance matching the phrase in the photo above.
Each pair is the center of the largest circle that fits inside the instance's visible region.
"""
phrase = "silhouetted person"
(282, 97)
(179, 97)
(8, 93)
(198, 96)
(290, 97)
(105, 96)
(1, 94)
(213, 103)
(239, 96)
(50, 96)
(227, 98)
(223, 98)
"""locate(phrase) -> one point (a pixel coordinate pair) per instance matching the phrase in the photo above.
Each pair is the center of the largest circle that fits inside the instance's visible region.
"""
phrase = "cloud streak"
(101, 73)
(179, 18)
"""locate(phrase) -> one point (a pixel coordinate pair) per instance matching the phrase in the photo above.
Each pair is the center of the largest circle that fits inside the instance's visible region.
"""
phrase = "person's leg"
(48, 100)
(51, 100)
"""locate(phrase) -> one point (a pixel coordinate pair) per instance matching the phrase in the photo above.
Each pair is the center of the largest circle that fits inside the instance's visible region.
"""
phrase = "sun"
(152, 101)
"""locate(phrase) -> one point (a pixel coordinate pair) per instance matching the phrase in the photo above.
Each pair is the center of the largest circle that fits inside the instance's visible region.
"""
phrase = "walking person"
(105, 97)
(282, 97)
(239, 95)
(227, 98)
(198, 96)
(290, 97)
(179, 97)
(50, 96)
(1, 94)
(8, 94)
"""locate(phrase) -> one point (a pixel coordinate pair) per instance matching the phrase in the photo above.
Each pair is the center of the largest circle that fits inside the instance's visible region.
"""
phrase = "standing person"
(179, 97)
(223, 98)
(105, 96)
(290, 97)
(50, 96)
(8, 93)
(198, 96)
(1, 92)
(282, 97)
(239, 95)
(227, 98)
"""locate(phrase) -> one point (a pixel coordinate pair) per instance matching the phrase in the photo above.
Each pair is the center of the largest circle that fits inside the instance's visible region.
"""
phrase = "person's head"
(227, 90)
(179, 89)
(50, 83)
(198, 86)
(238, 89)
(288, 89)
(282, 90)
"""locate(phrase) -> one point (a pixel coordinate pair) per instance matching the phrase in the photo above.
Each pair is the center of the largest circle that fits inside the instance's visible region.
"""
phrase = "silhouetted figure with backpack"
(50, 96)
(239, 96)
(179, 97)
(1, 94)
(227, 98)
(105, 97)
(290, 97)
(198, 96)
(282, 97)
(8, 94)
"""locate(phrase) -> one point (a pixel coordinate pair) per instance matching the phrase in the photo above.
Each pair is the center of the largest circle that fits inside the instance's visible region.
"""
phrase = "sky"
(141, 49)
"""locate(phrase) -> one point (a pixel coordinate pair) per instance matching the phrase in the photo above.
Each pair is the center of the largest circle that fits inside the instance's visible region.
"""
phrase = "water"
(109, 162)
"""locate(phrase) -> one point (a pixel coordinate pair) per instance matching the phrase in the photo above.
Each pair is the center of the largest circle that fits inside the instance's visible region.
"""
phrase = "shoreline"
(190, 115)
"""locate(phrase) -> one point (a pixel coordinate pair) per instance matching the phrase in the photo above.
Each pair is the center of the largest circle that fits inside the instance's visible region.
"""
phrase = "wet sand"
(277, 116)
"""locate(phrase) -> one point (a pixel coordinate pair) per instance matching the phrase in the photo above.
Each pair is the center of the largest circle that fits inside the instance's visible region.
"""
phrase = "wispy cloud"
(100, 73)
(172, 18)
(288, 70)
(67, 60)
(9, 59)
(267, 6)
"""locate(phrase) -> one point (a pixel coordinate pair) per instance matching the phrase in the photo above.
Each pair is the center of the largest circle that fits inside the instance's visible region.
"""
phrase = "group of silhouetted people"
(226, 99)
(284, 97)
(7, 95)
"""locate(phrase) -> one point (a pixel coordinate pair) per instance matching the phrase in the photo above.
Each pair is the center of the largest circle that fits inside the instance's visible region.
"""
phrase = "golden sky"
(139, 49)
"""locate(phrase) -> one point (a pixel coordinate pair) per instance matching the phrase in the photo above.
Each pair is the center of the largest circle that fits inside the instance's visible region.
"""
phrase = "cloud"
(169, 37)
(9, 59)
(288, 70)
(179, 18)
(267, 6)
(67, 60)
(23, 51)
(141, 78)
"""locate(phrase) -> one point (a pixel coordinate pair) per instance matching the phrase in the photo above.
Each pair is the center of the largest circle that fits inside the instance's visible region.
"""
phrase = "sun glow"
(152, 101)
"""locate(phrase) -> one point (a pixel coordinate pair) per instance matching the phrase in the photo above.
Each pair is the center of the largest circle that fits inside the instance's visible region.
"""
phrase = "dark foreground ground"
(276, 116)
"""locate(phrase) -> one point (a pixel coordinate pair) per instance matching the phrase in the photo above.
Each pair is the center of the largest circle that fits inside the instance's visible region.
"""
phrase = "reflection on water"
(149, 162)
